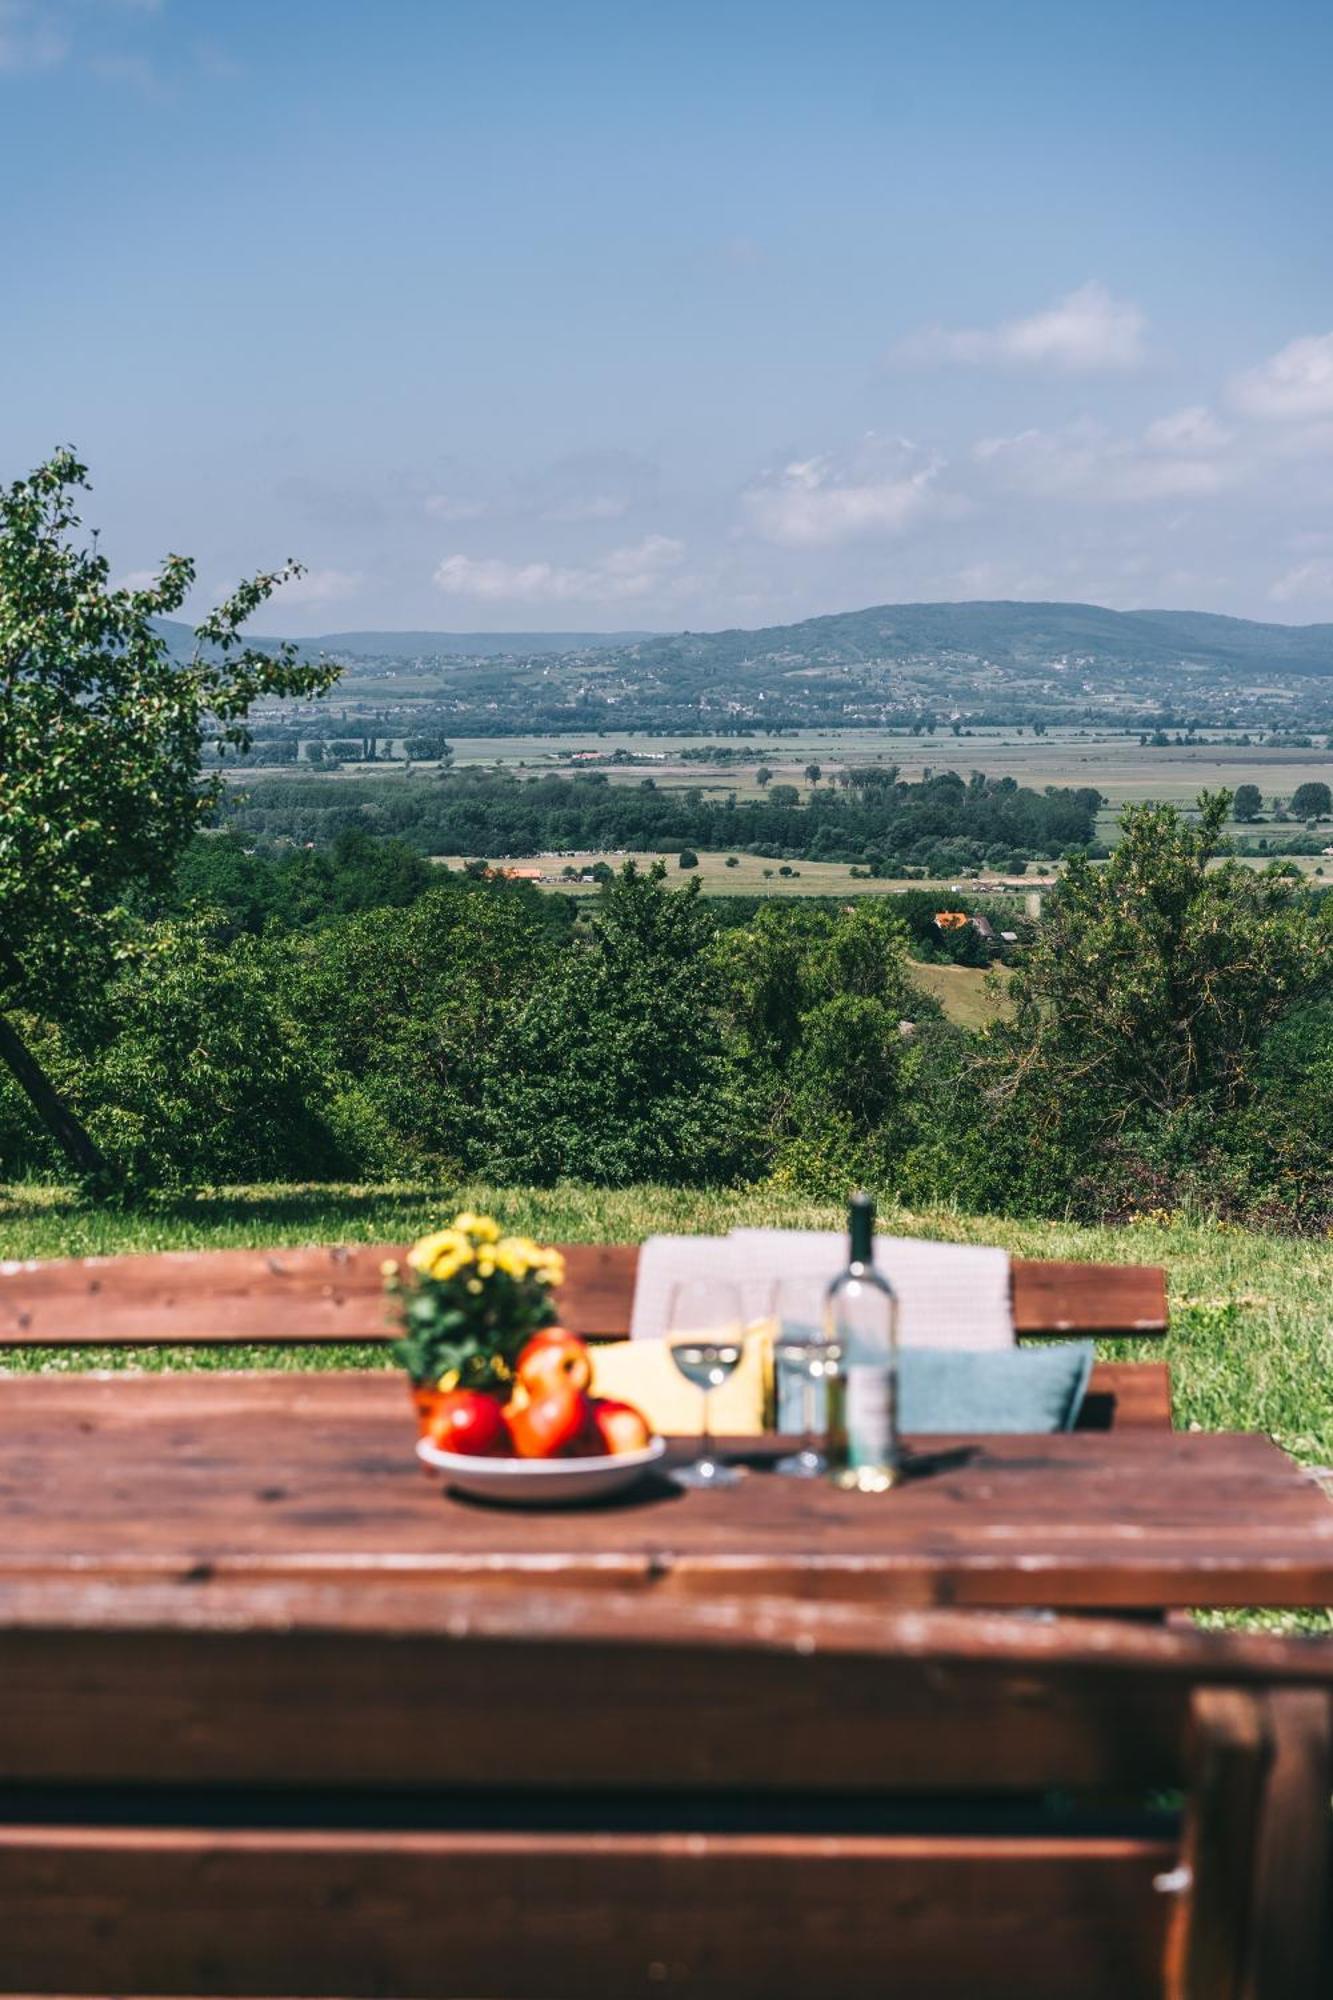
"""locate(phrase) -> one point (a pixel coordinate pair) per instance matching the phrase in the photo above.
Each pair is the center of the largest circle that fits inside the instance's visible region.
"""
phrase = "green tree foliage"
(400, 1009)
(1142, 1011)
(618, 1066)
(101, 738)
(1312, 800)
(1247, 804)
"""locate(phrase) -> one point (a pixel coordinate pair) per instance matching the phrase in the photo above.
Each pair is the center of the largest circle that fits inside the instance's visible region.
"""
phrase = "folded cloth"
(949, 1294)
(668, 1261)
(642, 1372)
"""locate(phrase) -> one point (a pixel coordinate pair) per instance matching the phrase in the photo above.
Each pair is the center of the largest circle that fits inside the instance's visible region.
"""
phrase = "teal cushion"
(942, 1389)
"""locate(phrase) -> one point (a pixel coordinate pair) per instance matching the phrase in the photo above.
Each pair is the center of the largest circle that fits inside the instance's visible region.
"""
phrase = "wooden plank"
(513, 1916)
(154, 1689)
(187, 1297)
(555, 1710)
(1209, 1936)
(1136, 1393)
(1291, 1951)
(1106, 1299)
(336, 1294)
(312, 1475)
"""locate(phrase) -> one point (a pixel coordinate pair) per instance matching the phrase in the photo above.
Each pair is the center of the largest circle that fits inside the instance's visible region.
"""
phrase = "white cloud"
(1310, 580)
(1194, 431)
(879, 490)
(1085, 332)
(320, 586)
(1293, 385)
(136, 579)
(1086, 463)
(630, 572)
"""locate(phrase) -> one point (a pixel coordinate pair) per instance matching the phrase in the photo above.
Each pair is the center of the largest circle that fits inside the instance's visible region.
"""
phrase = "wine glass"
(802, 1358)
(704, 1335)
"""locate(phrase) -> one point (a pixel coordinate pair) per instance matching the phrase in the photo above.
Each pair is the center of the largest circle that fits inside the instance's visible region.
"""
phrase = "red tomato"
(548, 1424)
(469, 1421)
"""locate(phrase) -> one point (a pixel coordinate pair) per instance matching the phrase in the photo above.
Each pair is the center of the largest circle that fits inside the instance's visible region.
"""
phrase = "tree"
(1155, 979)
(1312, 800)
(102, 731)
(428, 749)
(1247, 804)
(688, 858)
(618, 1067)
(814, 772)
(763, 776)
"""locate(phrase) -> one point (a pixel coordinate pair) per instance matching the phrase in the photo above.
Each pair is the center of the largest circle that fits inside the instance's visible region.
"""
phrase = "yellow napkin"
(642, 1372)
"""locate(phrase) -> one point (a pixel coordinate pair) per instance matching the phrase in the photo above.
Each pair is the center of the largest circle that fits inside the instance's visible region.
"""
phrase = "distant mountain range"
(1005, 632)
(893, 666)
(428, 645)
(1013, 633)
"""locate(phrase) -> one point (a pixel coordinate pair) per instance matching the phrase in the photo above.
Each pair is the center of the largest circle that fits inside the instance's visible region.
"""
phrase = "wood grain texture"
(337, 1294)
(1291, 1945)
(311, 1476)
(479, 1916)
(1229, 1750)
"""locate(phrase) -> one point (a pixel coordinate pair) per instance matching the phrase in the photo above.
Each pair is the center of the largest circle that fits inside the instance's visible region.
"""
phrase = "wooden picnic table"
(298, 1479)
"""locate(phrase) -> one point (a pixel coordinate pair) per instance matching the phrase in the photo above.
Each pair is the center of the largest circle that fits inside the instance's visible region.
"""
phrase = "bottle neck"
(862, 1232)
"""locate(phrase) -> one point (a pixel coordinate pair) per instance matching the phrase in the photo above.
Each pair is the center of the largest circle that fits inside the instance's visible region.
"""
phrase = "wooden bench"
(302, 1789)
(192, 1297)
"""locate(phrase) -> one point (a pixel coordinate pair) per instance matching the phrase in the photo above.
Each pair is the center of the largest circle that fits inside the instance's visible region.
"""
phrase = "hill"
(427, 645)
(1012, 632)
(892, 665)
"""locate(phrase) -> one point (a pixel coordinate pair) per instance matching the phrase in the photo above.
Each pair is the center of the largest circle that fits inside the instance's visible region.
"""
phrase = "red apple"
(619, 1425)
(548, 1424)
(554, 1359)
(469, 1421)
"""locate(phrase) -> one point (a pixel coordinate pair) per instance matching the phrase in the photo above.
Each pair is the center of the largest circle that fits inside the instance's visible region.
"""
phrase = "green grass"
(1251, 1341)
(752, 875)
(969, 994)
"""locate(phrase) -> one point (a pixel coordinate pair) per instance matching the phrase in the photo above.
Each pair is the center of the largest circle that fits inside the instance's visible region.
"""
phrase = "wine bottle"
(862, 1320)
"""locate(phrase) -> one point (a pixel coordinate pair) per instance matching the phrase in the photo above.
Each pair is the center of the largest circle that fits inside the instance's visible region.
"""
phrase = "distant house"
(521, 874)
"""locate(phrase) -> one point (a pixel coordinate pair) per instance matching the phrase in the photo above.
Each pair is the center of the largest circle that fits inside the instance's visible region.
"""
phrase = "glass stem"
(706, 1429)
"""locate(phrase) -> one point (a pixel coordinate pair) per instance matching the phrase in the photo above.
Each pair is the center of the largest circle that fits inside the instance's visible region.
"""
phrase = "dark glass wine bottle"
(862, 1320)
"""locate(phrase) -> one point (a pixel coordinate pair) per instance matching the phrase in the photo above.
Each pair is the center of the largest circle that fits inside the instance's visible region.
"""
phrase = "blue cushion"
(943, 1389)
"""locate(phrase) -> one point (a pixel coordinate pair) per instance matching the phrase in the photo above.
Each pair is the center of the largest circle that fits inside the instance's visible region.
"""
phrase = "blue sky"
(554, 313)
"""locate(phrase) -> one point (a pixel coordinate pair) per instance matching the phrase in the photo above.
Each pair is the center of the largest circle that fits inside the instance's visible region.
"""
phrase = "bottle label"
(870, 1413)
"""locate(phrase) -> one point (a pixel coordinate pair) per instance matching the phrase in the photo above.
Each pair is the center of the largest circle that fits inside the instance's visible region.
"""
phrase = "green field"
(968, 994)
(750, 877)
(1250, 1335)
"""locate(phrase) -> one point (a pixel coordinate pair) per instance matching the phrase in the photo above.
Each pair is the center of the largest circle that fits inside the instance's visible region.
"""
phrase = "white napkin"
(949, 1294)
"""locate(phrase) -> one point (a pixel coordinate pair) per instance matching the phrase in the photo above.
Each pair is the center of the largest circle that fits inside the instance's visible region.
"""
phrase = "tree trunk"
(74, 1141)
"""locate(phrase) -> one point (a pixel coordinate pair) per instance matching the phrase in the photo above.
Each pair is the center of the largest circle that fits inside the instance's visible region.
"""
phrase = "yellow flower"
(389, 1268)
(424, 1252)
(480, 1227)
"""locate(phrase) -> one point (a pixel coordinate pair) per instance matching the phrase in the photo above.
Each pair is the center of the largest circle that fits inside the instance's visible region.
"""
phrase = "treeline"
(1170, 1038)
(882, 822)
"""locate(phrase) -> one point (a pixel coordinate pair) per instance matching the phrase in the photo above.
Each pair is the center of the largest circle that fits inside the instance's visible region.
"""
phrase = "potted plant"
(470, 1301)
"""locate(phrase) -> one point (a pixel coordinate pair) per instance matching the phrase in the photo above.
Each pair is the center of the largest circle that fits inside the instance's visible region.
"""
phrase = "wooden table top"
(310, 1478)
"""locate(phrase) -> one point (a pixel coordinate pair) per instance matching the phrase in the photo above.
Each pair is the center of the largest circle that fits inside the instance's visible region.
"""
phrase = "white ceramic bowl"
(539, 1482)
